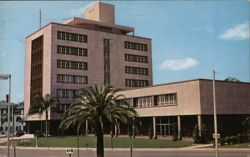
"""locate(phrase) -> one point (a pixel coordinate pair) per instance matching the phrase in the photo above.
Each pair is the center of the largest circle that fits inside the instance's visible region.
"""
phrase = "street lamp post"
(215, 118)
(5, 77)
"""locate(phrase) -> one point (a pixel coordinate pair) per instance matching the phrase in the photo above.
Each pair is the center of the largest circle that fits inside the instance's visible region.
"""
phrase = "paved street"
(125, 153)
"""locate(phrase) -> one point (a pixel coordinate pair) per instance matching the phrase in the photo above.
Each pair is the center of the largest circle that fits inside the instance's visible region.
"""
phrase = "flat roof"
(51, 23)
(184, 81)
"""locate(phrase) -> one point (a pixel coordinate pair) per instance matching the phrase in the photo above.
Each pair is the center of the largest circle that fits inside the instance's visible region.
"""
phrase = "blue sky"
(189, 38)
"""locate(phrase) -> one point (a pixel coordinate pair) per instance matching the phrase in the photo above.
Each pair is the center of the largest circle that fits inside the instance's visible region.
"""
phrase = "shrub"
(204, 134)
(222, 141)
(227, 140)
(39, 133)
(234, 139)
(175, 132)
(242, 137)
(196, 135)
(248, 137)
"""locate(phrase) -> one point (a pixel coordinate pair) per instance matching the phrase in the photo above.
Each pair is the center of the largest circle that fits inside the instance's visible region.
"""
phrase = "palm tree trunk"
(46, 123)
(99, 144)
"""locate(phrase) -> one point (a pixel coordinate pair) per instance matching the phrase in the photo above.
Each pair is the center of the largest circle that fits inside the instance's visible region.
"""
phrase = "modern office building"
(190, 103)
(61, 58)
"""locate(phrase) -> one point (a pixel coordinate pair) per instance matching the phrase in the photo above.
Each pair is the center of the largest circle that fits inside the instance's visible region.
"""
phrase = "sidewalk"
(191, 148)
(26, 136)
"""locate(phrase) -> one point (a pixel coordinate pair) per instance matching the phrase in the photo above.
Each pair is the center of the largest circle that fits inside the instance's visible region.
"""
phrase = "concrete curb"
(140, 149)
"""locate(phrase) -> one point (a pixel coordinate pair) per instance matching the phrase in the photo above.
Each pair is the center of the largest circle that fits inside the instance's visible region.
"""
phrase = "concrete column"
(154, 127)
(199, 124)
(179, 126)
(86, 127)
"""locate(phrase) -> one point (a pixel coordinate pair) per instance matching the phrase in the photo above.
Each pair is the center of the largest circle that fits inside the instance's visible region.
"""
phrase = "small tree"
(42, 105)
(232, 79)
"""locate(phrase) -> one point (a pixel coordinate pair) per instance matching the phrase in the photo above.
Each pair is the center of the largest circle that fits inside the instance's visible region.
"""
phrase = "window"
(106, 81)
(106, 42)
(166, 99)
(106, 54)
(106, 68)
(72, 37)
(143, 102)
(65, 64)
(135, 46)
(136, 83)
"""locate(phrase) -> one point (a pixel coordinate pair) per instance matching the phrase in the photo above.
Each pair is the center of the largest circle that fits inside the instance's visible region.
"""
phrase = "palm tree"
(42, 105)
(97, 104)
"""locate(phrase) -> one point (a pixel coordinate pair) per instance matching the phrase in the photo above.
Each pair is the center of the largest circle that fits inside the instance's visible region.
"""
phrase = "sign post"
(14, 146)
(218, 136)
(69, 151)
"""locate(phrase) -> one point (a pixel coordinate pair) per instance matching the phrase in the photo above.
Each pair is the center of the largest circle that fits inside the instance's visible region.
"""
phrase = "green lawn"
(121, 142)
(242, 145)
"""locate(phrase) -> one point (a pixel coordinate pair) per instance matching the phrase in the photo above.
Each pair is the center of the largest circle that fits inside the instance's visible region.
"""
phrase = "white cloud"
(239, 32)
(179, 64)
(79, 12)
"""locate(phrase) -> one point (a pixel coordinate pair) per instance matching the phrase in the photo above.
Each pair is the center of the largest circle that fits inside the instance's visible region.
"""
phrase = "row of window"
(136, 58)
(136, 70)
(136, 83)
(74, 79)
(72, 36)
(72, 50)
(65, 64)
(66, 93)
(136, 46)
(147, 101)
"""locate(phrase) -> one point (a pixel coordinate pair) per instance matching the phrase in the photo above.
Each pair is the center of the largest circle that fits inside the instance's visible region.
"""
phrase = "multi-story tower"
(61, 58)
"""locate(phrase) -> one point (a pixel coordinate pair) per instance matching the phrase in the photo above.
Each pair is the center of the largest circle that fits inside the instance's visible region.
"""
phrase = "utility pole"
(215, 117)
(5, 77)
